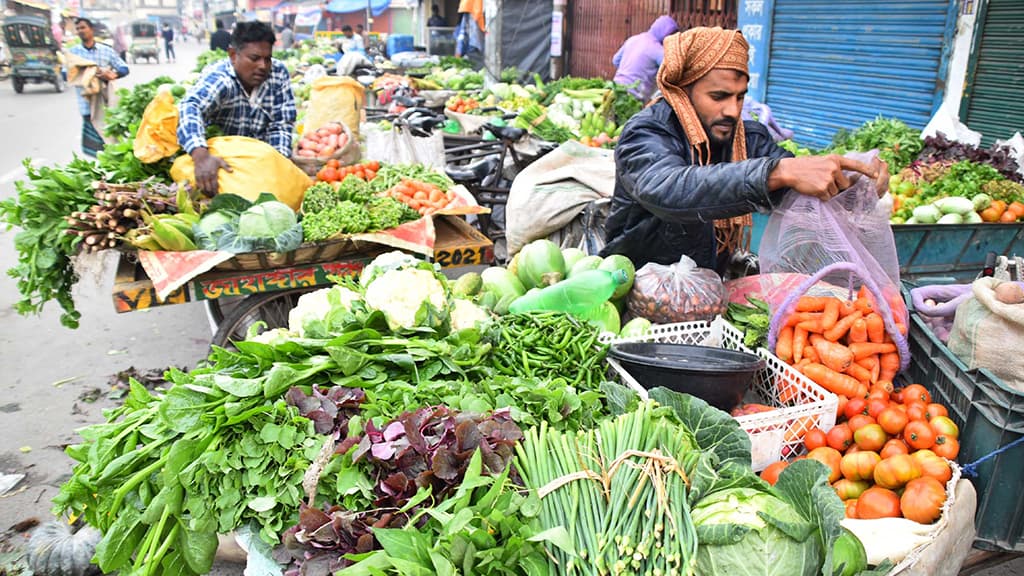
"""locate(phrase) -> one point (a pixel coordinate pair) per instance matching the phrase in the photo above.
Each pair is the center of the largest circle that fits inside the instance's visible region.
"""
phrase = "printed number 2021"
(461, 257)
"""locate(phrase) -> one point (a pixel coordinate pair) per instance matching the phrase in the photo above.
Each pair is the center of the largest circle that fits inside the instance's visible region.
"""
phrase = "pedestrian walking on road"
(102, 66)
(168, 34)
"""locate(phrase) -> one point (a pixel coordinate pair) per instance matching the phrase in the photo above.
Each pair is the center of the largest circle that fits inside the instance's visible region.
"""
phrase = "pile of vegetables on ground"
(381, 433)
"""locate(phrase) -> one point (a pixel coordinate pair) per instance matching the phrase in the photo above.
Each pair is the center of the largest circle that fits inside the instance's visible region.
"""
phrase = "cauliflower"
(274, 337)
(399, 294)
(466, 314)
(316, 305)
(394, 260)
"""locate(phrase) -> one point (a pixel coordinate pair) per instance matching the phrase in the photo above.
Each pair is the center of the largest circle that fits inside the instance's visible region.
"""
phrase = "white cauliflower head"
(316, 305)
(466, 314)
(273, 337)
(400, 293)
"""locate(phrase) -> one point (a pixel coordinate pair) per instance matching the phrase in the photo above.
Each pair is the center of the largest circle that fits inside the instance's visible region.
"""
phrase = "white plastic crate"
(800, 404)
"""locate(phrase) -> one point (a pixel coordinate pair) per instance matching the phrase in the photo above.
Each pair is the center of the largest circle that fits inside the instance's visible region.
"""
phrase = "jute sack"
(989, 334)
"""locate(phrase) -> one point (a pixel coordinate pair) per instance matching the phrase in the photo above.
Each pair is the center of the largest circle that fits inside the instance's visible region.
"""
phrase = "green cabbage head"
(750, 532)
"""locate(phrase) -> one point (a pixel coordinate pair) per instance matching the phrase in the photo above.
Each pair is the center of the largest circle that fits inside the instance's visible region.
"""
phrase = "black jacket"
(665, 206)
(220, 40)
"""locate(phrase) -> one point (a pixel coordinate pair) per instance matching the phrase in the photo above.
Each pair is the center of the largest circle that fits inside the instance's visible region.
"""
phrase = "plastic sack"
(157, 137)
(937, 305)
(256, 167)
(333, 99)
(846, 242)
(989, 334)
(945, 121)
(399, 146)
(679, 292)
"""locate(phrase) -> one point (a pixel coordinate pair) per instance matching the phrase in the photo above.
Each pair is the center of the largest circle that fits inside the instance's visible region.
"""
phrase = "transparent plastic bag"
(937, 306)
(679, 292)
(844, 247)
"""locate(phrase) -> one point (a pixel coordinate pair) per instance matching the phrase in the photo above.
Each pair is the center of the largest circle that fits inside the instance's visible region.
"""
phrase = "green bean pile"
(548, 345)
(619, 493)
(390, 175)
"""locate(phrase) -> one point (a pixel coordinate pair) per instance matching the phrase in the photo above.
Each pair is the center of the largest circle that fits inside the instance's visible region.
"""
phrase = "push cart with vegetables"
(264, 286)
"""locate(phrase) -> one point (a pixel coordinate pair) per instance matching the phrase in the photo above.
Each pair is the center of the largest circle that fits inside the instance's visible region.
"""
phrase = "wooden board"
(456, 244)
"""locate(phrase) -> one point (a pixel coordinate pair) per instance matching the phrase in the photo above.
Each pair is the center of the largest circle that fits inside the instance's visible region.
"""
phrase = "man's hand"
(207, 169)
(823, 177)
(108, 75)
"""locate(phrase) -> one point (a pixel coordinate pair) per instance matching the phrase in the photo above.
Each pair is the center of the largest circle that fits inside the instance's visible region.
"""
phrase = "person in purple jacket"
(641, 55)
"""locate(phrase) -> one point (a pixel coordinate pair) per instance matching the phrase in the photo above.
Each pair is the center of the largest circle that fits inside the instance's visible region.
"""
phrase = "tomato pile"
(462, 104)
(420, 196)
(888, 454)
(333, 171)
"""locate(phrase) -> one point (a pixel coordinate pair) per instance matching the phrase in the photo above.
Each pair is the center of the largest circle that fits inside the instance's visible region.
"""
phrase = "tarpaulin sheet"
(526, 36)
(345, 6)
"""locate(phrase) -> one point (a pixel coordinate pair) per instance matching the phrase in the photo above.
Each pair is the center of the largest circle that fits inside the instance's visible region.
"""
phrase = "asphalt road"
(48, 373)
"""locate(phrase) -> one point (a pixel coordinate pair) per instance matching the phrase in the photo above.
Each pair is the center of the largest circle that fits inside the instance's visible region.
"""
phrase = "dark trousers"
(169, 50)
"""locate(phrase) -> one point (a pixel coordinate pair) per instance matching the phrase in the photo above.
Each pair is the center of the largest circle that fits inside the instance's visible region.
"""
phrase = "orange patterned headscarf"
(689, 56)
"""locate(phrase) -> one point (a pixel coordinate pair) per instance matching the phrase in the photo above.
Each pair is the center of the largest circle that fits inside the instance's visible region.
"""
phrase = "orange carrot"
(812, 303)
(889, 365)
(812, 326)
(862, 374)
(831, 314)
(784, 345)
(846, 308)
(788, 391)
(865, 301)
(870, 363)
(842, 327)
(864, 349)
(859, 331)
(811, 354)
(798, 317)
(832, 381)
(835, 356)
(799, 342)
(876, 328)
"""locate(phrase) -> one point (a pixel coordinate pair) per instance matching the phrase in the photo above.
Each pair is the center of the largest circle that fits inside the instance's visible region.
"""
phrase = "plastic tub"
(719, 376)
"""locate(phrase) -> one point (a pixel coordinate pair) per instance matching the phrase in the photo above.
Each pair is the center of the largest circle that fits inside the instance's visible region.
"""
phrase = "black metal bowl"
(718, 376)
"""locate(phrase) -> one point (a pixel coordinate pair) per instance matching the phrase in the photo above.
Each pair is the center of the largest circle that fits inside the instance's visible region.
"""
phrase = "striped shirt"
(104, 57)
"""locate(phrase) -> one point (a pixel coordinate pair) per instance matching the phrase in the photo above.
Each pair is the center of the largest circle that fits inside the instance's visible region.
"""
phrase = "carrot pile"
(422, 197)
(842, 345)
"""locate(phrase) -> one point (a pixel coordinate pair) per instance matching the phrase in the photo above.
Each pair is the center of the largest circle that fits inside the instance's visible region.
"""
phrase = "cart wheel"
(19, 85)
(271, 308)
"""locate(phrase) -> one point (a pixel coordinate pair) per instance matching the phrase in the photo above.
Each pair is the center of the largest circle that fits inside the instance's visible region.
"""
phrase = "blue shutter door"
(995, 94)
(836, 64)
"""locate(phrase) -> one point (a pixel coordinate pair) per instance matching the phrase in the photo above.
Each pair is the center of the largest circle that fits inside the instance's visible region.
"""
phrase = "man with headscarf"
(689, 172)
(639, 57)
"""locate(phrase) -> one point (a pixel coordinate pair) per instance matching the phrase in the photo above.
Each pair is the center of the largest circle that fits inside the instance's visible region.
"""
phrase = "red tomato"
(896, 471)
(850, 489)
(919, 435)
(829, 457)
(859, 466)
(922, 500)
(876, 406)
(870, 437)
(815, 438)
(859, 421)
(771, 473)
(842, 406)
(893, 447)
(916, 393)
(855, 406)
(877, 502)
(916, 410)
(935, 410)
(892, 420)
(840, 437)
(944, 426)
(946, 447)
(851, 508)
(933, 466)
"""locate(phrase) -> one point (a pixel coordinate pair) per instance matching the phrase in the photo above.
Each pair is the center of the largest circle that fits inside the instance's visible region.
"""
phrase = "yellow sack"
(157, 137)
(334, 98)
(255, 167)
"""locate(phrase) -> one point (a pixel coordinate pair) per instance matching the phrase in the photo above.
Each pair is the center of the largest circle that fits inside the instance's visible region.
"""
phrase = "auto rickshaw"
(35, 56)
(145, 41)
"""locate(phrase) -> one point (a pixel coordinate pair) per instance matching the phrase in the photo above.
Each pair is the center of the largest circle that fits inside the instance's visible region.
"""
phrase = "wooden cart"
(237, 299)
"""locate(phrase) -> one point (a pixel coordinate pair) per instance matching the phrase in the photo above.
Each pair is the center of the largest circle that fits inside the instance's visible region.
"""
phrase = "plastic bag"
(347, 154)
(846, 242)
(679, 292)
(399, 146)
(990, 334)
(945, 121)
(256, 167)
(157, 137)
(332, 99)
(937, 306)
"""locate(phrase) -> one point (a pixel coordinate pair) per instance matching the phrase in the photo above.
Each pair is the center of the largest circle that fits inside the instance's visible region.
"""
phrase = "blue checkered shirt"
(104, 57)
(219, 99)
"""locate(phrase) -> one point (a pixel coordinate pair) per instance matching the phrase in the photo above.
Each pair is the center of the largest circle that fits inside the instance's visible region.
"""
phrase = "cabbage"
(748, 531)
(233, 224)
(266, 220)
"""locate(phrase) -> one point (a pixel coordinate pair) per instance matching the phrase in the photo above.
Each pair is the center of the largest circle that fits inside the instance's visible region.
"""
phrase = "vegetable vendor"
(99, 65)
(249, 94)
(640, 56)
(689, 172)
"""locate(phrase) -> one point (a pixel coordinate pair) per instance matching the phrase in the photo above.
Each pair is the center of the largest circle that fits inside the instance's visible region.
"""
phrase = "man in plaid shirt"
(110, 67)
(249, 94)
